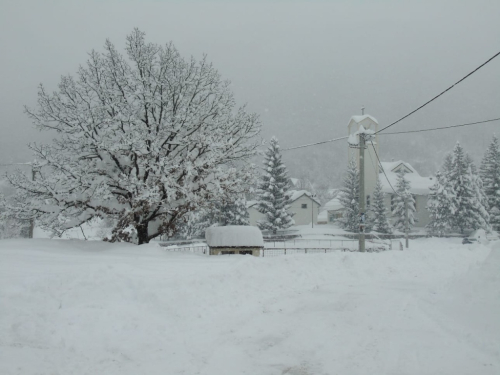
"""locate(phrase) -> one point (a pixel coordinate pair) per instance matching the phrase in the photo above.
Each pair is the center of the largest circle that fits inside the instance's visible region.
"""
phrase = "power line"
(441, 128)
(314, 144)
(381, 167)
(437, 96)
(402, 132)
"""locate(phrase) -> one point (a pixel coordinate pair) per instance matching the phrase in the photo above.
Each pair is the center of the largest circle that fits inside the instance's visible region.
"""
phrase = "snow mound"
(86, 307)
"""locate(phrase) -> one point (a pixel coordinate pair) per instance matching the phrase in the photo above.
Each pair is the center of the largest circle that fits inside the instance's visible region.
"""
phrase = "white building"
(419, 186)
(303, 204)
(331, 212)
(305, 207)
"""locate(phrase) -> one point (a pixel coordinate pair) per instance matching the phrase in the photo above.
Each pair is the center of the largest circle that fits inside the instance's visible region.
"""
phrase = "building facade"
(304, 206)
(419, 186)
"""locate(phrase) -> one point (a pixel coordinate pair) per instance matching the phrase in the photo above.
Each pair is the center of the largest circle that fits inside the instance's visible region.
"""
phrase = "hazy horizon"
(304, 67)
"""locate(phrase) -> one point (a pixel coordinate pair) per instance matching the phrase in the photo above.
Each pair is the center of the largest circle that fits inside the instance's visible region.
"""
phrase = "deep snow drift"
(76, 307)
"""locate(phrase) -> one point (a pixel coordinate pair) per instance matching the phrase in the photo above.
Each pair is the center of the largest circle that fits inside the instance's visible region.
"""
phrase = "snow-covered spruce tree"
(447, 166)
(470, 200)
(349, 198)
(144, 138)
(490, 176)
(272, 192)
(403, 190)
(441, 204)
(235, 212)
(378, 218)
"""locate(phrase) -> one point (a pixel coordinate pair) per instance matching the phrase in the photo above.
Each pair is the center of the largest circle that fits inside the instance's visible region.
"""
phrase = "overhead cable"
(438, 95)
(314, 144)
(402, 132)
(441, 128)
(381, 167)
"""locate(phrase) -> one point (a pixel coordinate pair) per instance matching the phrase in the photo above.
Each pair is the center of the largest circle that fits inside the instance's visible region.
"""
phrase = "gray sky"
(304, 66)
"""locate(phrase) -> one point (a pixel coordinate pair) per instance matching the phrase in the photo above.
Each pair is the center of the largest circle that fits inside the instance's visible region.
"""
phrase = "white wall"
(303, 216)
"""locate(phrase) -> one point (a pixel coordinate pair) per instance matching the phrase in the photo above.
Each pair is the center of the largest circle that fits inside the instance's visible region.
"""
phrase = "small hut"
(234, 239)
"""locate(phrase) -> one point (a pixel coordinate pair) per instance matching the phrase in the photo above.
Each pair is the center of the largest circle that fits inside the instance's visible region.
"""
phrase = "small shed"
(234, 239)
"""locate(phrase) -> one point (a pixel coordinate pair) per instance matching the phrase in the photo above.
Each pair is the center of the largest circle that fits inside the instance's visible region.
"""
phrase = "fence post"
(285, 250)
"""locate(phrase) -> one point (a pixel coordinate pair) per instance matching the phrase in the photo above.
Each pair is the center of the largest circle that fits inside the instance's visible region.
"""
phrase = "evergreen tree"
(471, 202)
(235, 213)
(447, 166)
(441, 205)
(403, 190)
(273, 200)
(349, 198)
(378, 219)
(490, 176)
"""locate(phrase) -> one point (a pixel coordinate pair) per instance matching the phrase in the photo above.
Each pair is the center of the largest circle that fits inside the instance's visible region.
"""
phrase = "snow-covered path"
(74, 307)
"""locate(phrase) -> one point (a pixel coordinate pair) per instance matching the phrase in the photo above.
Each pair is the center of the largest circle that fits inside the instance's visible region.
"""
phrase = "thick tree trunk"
(142, 234)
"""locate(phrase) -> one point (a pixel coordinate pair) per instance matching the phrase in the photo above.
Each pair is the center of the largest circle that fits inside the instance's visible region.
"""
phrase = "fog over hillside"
(304, 67)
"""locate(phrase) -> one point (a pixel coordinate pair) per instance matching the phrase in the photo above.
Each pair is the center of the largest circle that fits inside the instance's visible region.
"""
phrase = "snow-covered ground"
(81, 307)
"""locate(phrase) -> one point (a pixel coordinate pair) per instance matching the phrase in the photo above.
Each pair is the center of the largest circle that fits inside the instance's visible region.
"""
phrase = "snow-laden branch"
(144, 138)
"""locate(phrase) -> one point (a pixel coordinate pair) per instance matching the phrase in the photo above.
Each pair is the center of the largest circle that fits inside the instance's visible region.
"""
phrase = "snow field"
(75, 307)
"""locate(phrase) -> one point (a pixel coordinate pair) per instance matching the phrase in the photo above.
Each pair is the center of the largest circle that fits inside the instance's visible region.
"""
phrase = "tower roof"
(360, 118)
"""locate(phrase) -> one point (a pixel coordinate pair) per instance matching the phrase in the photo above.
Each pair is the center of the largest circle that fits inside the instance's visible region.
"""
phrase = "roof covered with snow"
(361, 118)
(392, 165)
(234, 236)
(333, 205)
(419, 185)
(296, 194)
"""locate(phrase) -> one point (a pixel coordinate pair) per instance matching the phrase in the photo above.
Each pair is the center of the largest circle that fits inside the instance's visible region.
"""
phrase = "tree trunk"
(142, 234)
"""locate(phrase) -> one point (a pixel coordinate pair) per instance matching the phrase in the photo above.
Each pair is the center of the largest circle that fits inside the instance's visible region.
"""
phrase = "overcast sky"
(304, 66)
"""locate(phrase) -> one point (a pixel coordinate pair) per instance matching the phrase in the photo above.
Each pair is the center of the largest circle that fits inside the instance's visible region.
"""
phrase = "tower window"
(368, 200)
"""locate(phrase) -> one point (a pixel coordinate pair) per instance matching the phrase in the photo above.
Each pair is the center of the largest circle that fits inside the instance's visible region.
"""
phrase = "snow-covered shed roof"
(234, 236)
(296, 194)
(418, 185)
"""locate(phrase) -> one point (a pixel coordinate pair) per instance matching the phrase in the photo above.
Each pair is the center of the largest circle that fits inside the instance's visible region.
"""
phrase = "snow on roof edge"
(234, 236)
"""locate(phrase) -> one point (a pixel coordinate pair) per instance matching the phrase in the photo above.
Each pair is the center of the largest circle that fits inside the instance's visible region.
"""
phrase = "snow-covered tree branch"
(144, 138)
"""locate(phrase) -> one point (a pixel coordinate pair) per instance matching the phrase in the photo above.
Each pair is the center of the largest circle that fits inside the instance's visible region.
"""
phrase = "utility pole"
(362, 192)
(407, 220)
